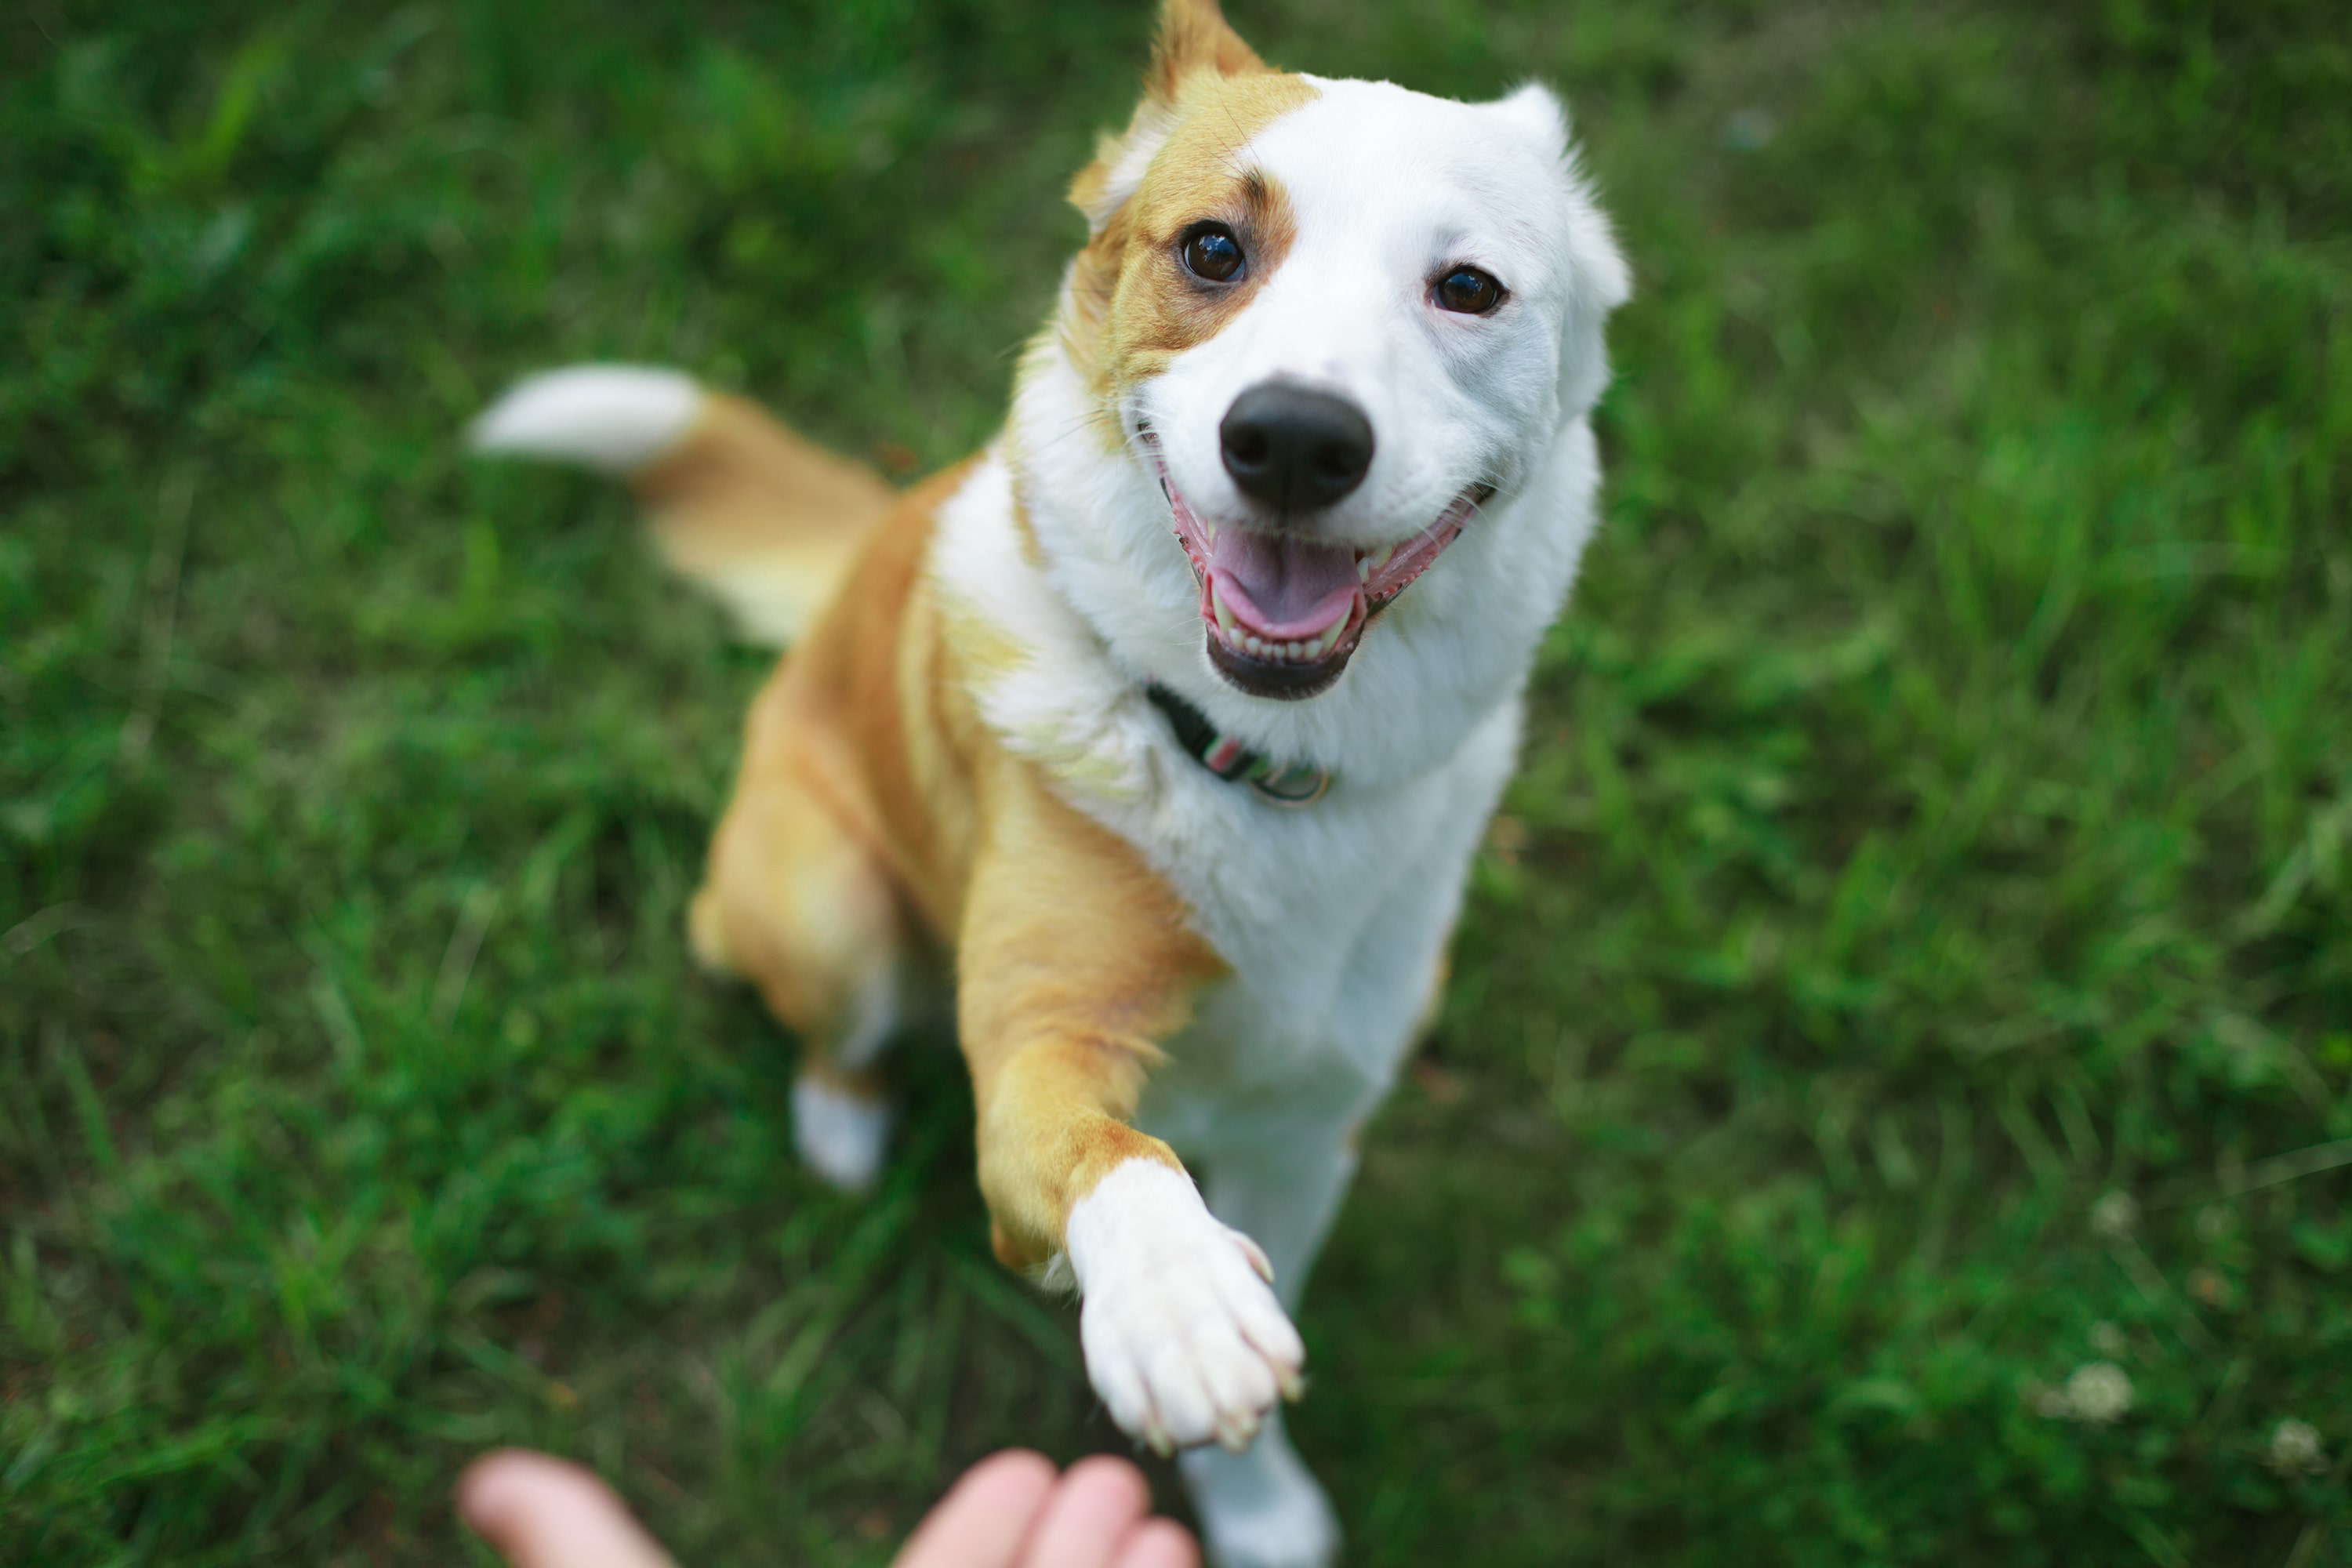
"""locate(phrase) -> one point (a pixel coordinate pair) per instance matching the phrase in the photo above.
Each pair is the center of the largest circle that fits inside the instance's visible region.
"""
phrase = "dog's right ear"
(1194, 42)
(1194, 38)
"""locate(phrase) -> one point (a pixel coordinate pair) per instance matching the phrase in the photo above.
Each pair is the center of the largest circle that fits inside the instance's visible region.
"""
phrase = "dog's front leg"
(1073, 963)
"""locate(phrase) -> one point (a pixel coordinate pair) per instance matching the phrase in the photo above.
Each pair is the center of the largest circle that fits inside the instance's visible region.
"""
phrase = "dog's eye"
(1469, 292)
(1212, 253)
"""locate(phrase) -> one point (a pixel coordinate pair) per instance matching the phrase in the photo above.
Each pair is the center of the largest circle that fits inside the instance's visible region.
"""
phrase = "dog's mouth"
(1283, 613)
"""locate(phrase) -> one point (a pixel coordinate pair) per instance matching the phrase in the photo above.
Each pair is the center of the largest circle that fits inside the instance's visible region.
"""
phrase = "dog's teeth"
(1379, 558)
(1224, 616)
(1363, 568)
(1294, 651)
(1250, 644)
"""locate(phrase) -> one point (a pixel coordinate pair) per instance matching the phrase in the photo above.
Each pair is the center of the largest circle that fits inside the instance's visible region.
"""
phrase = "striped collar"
(1285, 783)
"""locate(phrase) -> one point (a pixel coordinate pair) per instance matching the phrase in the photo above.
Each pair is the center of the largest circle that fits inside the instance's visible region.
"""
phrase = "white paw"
(841, 1135)
(1261, 1510)
(1183, 1339)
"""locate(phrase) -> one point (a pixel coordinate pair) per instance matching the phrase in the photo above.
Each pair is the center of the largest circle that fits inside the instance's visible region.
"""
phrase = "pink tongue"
(1280, 585)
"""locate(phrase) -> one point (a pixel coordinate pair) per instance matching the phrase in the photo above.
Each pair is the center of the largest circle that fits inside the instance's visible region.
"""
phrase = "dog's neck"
(1435, 667)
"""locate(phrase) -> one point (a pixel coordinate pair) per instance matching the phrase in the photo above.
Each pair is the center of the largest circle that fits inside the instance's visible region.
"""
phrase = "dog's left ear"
(1194, 42)
(1599, 280)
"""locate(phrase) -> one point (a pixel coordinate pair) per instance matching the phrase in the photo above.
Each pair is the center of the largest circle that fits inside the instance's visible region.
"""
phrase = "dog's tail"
(765, 519)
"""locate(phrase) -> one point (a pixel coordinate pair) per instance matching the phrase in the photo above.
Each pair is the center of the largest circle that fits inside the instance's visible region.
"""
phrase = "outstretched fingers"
(1157, 1543)
(1011, 1511)
(983, 1520)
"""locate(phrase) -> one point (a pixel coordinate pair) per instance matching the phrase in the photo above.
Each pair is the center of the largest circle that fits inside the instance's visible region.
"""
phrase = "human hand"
(1010, 1511)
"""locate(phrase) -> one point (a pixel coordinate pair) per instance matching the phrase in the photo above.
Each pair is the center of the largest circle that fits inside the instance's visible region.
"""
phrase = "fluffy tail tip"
(610, 418)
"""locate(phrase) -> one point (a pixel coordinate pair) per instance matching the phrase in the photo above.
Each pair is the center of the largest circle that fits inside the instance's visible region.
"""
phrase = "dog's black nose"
(1296, 448)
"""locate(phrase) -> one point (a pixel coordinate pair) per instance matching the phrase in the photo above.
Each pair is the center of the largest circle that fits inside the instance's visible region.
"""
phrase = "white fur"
(1269, 1513)
(1183, 1340)
(614, 418)
(1130, 159)
(842, 1136)
(1332, 918)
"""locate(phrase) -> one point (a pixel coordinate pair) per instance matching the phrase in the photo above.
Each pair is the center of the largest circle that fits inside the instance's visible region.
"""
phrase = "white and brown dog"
(1175, 716)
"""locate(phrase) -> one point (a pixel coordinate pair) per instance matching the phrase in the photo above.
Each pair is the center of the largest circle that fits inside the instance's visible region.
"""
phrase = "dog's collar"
(1285, 783)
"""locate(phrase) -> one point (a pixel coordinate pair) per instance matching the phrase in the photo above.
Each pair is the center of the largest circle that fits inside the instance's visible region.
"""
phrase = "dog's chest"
(1332, 918)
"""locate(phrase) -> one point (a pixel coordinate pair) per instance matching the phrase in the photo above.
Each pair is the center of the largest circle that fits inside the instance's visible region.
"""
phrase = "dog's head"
(1333, 321)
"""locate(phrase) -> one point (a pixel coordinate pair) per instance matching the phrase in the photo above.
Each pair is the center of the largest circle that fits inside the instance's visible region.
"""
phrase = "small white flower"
(2108, 1340)
(2098, 1392)
(2296, 1450)
(2115, 1216)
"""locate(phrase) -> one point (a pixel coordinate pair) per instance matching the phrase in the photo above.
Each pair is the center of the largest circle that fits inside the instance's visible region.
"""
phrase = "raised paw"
(1184, 1338)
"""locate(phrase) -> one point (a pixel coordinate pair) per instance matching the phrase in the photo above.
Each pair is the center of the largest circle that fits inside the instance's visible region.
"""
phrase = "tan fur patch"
(1195, 39)
(1074, 960)
(766, 520)
(1132, 306)
(871, 792)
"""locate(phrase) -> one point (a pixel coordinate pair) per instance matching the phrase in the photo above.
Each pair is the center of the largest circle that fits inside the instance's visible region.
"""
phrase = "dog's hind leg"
(797, 906)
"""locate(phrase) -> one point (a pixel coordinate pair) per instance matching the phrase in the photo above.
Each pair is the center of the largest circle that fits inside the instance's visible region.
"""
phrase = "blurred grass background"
(1915, 966)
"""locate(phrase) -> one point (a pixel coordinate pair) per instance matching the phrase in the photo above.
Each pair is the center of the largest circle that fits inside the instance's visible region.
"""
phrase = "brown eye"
(1212, 253)
(1468, 290)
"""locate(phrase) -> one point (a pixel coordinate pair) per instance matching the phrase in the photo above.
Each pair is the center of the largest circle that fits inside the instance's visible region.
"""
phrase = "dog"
(1172, 720)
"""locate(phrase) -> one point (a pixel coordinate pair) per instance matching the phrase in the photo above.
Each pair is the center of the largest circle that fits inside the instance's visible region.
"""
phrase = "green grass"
(1937, 816)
